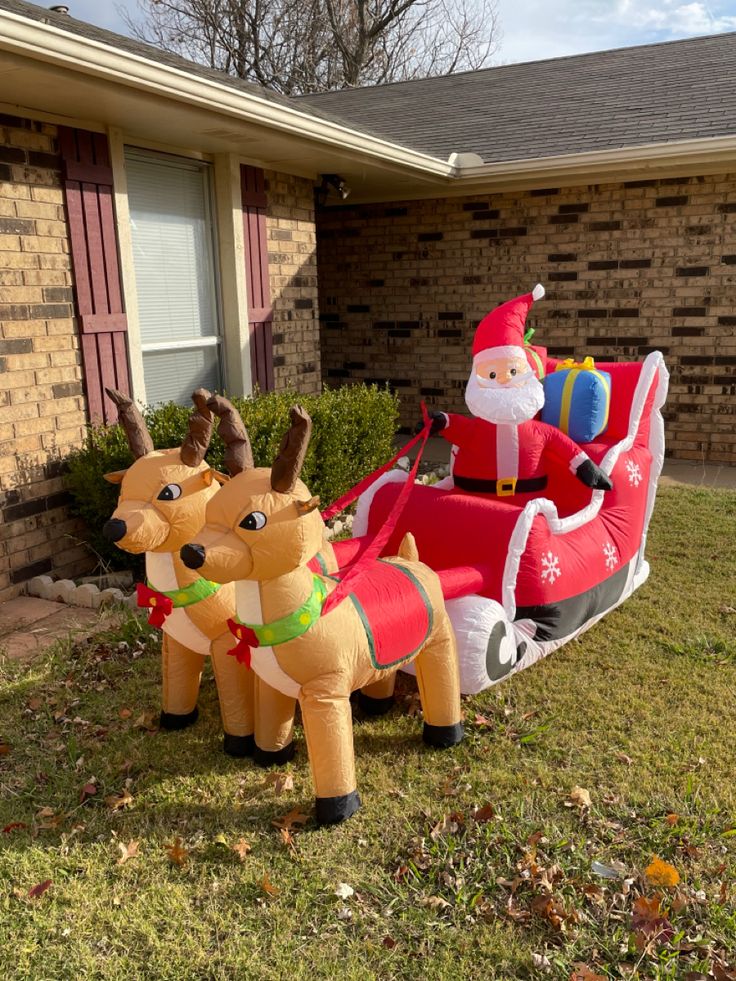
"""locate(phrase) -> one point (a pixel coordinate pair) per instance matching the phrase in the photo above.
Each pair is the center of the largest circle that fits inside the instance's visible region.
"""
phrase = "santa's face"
(503, 389)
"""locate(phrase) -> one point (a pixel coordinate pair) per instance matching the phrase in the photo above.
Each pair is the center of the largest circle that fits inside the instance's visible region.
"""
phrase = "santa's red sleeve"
(459, 429)
(562, 449)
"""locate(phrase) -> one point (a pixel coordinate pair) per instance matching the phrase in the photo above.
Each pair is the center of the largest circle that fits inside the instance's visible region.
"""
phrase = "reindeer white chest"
(161, 574)
(263, 659)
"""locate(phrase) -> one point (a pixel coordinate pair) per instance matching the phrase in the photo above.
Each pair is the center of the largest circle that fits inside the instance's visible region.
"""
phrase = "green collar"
(294, 624)
(200, 589)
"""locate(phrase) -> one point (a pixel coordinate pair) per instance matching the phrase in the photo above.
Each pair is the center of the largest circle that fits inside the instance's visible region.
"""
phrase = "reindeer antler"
(238, 452)
(132, 421)
(201, 424)
(290, 457)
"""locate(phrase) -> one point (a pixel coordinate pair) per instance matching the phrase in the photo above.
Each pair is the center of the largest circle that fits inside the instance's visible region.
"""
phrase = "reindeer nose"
(114, 529)
(192, 555)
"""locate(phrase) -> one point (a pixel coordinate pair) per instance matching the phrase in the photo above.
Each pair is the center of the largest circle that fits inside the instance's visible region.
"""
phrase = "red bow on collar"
(160, 605)
(246, 638)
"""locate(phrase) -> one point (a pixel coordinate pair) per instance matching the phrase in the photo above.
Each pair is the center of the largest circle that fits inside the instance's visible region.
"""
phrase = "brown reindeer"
(262, 529)
(163, 497)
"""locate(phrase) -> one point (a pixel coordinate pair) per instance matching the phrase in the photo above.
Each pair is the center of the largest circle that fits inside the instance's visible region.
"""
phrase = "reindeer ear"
(306, 507)
(116, 477)
(209, 475)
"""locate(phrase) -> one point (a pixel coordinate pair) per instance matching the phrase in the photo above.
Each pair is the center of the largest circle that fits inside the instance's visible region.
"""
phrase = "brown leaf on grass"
(287, 840)
(723, 894)
(4, 748)
(722, 972)
(292, 820)
(672, 819)
(580, 798)
(661, 873)
(34, 704)
(116, 802)
(649, 922)
(147, 721)
(624, 758)
(485, 813)
(40, 889)
(551, 909)
(414, 706)
(242, 849)
(448, 824)
(482, 721)
(388, 942)
(50, 819)
(279, 782)
(177, 853)
(128, 851)
(434, 902)
(596, 894)
(267, 887)
(14, 826)
(125, 713)
(581, 972)
(88, 790)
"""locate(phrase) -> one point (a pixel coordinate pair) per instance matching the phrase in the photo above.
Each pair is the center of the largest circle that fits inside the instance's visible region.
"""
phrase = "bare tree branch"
(300, 46)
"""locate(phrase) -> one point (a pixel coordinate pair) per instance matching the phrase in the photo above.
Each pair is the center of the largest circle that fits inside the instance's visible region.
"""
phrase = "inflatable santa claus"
(503, 450)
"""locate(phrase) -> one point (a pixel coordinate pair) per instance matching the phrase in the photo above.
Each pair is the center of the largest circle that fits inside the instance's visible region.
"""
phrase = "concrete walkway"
(29, 625)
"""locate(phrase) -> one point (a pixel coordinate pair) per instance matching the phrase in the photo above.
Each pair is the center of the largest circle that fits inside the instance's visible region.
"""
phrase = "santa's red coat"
(487, 451)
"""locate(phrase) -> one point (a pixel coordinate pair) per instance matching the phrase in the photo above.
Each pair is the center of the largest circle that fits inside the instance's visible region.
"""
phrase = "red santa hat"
(500, 334)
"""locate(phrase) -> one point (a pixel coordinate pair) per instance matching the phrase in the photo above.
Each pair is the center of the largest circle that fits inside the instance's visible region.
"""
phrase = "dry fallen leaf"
(14, 826)
(4, 749)
(448, 824)
(580, 797)
(116, 802)
(177, 853)
(242, 849)
(279, 781)
(649, 922)
(581, 972)
(88, 790)
(267, 887)
(148, 721)
(287, 840)
(661, 873)
(434, 902)
(485, 813)
(672, 819)
(34, 704)
(291, 820)
(39, 890)
(128, 851)
(344, 891)
(388, 942)
(125, 713)
(624, 758)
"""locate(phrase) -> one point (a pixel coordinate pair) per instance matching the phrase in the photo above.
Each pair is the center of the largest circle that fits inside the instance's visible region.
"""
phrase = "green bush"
(353, 433)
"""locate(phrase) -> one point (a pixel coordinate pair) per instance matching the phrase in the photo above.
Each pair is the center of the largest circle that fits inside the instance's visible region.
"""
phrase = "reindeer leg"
(235, 687)
(181, 671)
(274, 719)
(378, 697)
(439, 687)
(328, 729)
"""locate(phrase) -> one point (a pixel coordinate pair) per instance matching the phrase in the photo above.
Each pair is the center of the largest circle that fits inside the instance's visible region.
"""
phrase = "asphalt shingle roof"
(655, 93)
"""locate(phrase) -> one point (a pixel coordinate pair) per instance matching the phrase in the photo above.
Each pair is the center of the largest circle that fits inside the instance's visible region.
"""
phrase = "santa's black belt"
(503, 487)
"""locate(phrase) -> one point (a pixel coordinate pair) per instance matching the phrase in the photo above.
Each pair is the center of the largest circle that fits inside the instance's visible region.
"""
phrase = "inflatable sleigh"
(521, 580)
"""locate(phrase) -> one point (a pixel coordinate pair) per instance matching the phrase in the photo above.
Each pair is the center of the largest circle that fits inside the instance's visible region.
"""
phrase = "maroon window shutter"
(102, 322)
(260, 312)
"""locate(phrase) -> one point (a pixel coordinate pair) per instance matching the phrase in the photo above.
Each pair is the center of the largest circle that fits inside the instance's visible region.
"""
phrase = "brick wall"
(41, 405)
(628, 268)
(293, 270)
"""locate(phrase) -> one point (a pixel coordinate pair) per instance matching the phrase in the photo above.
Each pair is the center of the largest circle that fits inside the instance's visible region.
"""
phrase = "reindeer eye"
(253, 521)
(170, 493)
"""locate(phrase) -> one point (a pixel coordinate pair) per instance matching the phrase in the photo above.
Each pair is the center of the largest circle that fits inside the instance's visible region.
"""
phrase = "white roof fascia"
(51, 45)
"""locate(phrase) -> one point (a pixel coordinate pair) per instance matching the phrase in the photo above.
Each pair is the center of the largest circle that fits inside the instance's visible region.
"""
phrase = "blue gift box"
(577, 399)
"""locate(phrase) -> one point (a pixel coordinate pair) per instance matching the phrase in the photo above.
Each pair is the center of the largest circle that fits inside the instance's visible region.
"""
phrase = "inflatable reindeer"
(163, 497)
(262, 530)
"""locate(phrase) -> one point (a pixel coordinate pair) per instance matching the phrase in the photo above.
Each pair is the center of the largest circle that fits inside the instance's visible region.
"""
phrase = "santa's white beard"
(500, 404)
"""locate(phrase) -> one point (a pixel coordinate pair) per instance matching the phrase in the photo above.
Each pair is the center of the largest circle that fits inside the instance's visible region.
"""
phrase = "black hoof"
(442, 737)
(332, 810)
(239, 746)
(375, 706)
(172, 722)
(274, 757)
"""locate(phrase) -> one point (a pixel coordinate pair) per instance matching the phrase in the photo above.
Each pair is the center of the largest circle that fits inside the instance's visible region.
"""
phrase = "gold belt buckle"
(506, 486)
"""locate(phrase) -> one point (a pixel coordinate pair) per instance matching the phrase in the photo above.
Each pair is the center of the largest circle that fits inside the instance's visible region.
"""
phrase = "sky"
(560, 27)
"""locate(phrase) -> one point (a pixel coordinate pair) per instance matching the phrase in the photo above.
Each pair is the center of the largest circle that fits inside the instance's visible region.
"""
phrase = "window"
(176, 283)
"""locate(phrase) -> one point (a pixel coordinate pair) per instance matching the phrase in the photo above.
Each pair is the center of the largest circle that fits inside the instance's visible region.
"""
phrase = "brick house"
(159, 229)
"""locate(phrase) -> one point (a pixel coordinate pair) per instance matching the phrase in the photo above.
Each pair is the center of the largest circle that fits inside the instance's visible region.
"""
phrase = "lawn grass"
(640, 712)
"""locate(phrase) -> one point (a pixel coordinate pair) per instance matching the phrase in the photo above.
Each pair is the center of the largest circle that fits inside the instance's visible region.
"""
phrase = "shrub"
(353, 433)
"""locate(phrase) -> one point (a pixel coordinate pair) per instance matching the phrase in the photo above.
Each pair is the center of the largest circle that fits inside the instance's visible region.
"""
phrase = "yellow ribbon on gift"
(575, 367)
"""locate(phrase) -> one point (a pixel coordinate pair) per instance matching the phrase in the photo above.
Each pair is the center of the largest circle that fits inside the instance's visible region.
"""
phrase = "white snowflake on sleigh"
(611, 555)
(634, 472)
(550, 568)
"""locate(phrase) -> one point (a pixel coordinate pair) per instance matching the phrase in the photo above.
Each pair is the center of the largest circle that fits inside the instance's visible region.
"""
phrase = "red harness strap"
(365, 558)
